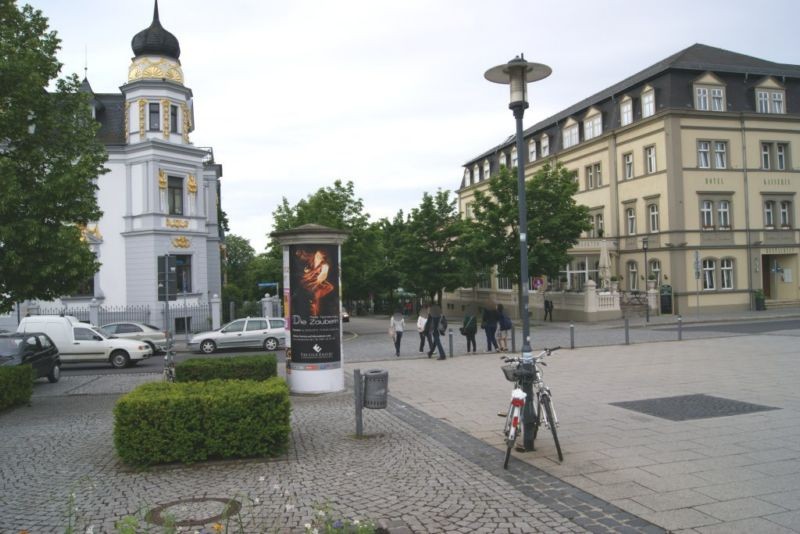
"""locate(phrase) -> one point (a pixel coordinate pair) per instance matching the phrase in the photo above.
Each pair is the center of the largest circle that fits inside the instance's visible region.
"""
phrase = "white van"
(81, 343)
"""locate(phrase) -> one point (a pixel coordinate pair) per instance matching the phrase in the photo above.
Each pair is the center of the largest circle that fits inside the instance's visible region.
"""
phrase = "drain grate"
(194, 512)
(687, 407)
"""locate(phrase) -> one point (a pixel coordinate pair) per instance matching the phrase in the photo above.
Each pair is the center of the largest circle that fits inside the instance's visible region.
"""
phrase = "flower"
(217, 527)
(308, 526)
(262, 478)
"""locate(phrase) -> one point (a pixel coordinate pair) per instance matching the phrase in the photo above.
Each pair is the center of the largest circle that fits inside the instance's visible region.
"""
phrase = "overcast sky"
(294, 94)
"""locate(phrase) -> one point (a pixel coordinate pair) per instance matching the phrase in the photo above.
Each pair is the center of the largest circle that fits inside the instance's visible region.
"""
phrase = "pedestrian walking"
(423, 333)
(469, 327)
(489, 324)
(548, 309)
(396, 326)
(433, 327)
(504, 327)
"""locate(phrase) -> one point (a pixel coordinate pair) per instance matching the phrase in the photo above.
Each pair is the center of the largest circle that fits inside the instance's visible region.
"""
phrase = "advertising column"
(312, 308)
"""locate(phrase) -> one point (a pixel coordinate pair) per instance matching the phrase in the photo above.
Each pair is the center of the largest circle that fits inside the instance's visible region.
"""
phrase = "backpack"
(443, 325)
(505, 322)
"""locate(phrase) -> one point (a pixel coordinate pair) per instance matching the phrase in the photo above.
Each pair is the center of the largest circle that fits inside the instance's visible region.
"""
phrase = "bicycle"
(539, 410)
(169, 365)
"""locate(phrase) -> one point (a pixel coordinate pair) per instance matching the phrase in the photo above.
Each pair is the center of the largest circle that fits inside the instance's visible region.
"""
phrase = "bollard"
(513, 339)
(450, 340)
(627, 335)
(572, 335)
(680, 327)
(357, 385)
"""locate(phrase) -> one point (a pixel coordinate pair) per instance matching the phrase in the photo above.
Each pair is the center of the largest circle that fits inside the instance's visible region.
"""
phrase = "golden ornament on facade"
(177, 223)
(87, 232)
(155, 68)
(165, 118)
(142, 106)
(192, 184)
(127, 121)
(181, 242)
(162, 179)
(186, 121)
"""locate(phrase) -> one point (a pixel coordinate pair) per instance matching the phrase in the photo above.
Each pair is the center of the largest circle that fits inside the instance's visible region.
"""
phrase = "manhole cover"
(194, 512)
(686, 407)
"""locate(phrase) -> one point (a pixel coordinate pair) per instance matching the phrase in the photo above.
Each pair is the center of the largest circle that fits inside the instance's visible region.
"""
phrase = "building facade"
(690, 159)
(160, 198)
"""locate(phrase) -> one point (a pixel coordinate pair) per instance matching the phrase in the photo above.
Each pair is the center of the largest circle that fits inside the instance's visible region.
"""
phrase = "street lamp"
(517, 73)
(645, 245)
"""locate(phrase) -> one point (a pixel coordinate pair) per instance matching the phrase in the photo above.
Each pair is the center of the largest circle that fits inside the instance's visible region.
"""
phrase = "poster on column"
(315, 309)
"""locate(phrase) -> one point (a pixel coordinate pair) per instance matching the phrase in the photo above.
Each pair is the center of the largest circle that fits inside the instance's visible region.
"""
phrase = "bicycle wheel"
(548, 410)
(530, 425)
(512, 423)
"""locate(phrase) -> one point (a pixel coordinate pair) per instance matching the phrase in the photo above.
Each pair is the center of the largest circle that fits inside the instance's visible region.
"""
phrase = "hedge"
(194, 421)
(257, 367)
(16, 385)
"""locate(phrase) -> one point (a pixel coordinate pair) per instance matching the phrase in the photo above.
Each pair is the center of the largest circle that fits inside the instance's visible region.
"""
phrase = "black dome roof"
(155, 40)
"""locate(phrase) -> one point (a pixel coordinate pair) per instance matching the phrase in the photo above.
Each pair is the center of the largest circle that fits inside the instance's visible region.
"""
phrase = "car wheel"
(119, 359)
(152, 347)
(208, 346)
(54, 374)
(270, 343)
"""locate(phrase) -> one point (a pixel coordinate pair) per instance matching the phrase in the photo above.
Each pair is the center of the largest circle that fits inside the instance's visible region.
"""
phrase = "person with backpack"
(421, 329)
(504, 326)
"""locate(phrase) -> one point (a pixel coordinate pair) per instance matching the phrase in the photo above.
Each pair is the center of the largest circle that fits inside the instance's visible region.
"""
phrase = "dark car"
(32, 348)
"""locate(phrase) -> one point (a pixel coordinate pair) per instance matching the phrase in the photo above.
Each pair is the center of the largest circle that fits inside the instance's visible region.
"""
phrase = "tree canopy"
(49, 162)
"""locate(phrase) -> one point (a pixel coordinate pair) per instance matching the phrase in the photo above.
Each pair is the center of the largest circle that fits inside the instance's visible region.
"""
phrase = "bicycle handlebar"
(545, 352)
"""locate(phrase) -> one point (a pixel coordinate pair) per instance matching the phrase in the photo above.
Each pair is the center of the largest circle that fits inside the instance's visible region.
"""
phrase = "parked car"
(268, 333)
(345, 316)
(35, 349)
(152, 335)
(79, 342)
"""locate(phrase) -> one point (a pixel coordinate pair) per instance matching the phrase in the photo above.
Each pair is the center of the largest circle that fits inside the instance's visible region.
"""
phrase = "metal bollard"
(572, 335)
(357, 385)
(680, 328)
(627, 334)
(450, 340)
(513, 339)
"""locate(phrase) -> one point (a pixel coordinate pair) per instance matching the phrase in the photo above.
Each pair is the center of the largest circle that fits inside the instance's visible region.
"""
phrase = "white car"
(253, 332)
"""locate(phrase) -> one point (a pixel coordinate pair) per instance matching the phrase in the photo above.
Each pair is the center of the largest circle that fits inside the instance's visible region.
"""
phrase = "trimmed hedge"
(190, 422)
(257, 367)
(16, 385)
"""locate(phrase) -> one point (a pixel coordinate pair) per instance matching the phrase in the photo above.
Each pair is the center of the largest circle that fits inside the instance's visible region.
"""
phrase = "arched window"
(655, 270)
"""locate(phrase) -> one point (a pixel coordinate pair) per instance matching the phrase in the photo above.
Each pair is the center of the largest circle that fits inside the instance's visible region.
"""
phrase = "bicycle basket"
(511, 372)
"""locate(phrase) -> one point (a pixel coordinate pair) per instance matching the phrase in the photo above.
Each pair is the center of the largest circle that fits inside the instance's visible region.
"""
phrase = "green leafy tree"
(238, 255)
(555, 222)
(49, 160)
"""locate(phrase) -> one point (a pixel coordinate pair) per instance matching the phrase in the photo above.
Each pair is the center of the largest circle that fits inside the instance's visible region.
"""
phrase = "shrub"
(258, 367)
(194, 421)
(16, 385)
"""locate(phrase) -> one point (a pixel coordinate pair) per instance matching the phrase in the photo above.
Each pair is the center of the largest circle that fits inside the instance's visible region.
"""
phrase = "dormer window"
(545, 145)
(570, 135)
(709, 93)
(532, 150)
(487, 170)
(626, 111)
(770, 97)
(593, 126)
(476, 173)
(467, 177)
(514, 158)
(648, 102)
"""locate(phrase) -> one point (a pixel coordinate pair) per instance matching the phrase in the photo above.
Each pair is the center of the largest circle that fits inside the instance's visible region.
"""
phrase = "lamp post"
(645, 245)
(517, 73)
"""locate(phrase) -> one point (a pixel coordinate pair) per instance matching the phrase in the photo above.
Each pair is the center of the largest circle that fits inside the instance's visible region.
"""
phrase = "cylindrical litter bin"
(376, 388)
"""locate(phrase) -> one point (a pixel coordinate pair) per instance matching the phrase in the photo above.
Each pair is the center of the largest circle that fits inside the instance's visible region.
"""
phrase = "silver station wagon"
(268, 333)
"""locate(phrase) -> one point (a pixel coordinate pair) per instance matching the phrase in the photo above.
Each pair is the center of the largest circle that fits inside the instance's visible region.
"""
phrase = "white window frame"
(724, 214)
(770, 101)
(514, 161)
(569, 136)
(590, 177)
(726, 273)
(592, 127)
(545, 145)
(704, 154)
(655, 269)
(769, 213)
(598, 223)
(776, 102)
(648, 103)
(598, 174)
(467, 177)
(487, 170)
(717, 99)
(707, 214)
(633, 276)
(532, 149)
(652, 211)
(766, 148)
(630, 217)
(780, 156)
(701, 98)
(720, 155)
(476, 173)
(785, 213)
(709, 271)
(626, 112)
(627, 165)
(650, 159)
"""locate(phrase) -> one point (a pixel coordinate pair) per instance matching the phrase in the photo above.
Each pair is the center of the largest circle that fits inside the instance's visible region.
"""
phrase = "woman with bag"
(396, 326)
(469, 328)
(423, 334)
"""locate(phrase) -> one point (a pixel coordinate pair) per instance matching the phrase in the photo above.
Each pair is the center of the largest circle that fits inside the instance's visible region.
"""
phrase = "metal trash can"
(376, 388)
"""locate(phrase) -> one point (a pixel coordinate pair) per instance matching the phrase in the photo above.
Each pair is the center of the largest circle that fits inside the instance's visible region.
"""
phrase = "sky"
(295, 94)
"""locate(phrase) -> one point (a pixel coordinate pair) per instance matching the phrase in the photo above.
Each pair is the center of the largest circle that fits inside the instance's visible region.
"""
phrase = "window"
(235, 326)
(724, 214)
(765, 153)
(545, 145)
(701, 98)
(166, 286)
(570, 136)
(84, 334)
(633, 276)
(127, 328)
(503, 282)
(173, 119)
(630, 215)
(155, 117)
(655, 270)
(532, 150)
(703, 150)
(780, 157)
(598, 223)
(627, 165)
(514, 158)
(652, 211)
(256, 324)
(717, 99)
(707, 214)
(590, 177)
(769, 100)
(484, 282)
(487, 167)
(183, 272)
(648, 103)
(467, 177)
(786, 210)
(726, 266)
(593, 127)
(769, 213)
(720, 154)
(716, 102)
(175, 195)
(592, 232)
(598, 176)
(709, 267)
(626, 112)
(650, 159)
(476, 173)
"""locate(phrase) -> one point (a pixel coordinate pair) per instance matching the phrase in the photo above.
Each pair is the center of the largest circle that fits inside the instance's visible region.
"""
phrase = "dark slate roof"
(111, 116)
(698, 57)
(155, 40)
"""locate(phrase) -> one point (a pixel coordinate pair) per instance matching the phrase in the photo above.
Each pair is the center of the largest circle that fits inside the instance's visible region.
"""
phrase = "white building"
(160, 196)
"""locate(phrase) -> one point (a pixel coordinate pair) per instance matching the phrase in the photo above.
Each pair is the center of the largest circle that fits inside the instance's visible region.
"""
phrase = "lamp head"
(518, 73)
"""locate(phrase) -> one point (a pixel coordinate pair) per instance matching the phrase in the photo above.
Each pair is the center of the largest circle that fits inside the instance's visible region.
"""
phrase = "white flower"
(90, 529)
(308, 526)
(289, 507)
(321, 513)
(256, 500)
(315, 531)
(356, 521)
(262, 478)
